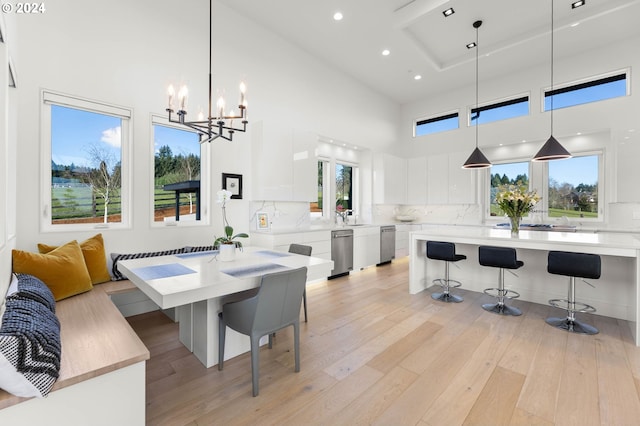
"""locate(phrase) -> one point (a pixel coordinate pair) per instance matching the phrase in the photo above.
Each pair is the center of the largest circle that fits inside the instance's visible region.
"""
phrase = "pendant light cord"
(477, 59)
(552, 94)
(210, 55)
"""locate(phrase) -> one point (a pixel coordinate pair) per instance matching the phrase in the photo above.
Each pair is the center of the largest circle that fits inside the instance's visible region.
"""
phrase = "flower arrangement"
(228, 238)
(515, 201)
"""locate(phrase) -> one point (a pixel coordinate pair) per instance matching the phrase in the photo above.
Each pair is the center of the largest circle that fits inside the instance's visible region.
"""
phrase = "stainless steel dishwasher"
(341, 252)
(387, 243)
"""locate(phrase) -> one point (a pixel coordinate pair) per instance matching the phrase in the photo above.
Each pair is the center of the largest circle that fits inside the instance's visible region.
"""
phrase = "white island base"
(615, 293)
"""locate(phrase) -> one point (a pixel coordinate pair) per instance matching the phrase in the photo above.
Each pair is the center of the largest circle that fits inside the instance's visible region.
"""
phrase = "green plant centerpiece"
(516, 201)
(228, 239)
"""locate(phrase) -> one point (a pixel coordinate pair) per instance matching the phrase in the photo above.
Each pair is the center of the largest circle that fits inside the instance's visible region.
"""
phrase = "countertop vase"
(227, 252)
(515, 225)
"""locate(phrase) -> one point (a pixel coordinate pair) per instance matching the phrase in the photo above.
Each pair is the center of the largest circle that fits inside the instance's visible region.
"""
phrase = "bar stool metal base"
(572, 325)
(501, 309)
(446, 296)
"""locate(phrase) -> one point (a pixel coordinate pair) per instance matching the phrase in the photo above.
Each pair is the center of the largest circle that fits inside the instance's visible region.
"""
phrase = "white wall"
(610, 125)
(617, 117)
(126, 53)
(8, 142)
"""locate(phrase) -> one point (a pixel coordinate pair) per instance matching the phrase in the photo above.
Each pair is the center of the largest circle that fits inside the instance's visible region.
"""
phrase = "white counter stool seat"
(503, 258)
(573, 265)
(439, 250)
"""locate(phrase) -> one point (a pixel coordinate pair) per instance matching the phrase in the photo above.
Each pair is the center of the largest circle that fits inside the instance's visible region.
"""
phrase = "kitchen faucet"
(343, 215)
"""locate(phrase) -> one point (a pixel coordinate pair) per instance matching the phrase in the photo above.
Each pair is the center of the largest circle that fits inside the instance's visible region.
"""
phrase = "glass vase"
(515, 225)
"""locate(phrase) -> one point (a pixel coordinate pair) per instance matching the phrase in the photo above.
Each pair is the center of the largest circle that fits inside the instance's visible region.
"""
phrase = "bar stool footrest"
(572, 306)
(573, 326)
(507, 294)
(447, 283)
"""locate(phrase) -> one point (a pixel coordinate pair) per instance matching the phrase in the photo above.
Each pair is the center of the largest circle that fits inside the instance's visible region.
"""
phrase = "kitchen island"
(615, 293)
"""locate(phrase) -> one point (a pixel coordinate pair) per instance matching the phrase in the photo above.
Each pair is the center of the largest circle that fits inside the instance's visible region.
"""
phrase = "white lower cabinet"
(366, 246)
(402, 238)
(320, 241)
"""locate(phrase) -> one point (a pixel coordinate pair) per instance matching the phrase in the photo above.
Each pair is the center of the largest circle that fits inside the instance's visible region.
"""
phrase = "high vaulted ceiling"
(514, 35)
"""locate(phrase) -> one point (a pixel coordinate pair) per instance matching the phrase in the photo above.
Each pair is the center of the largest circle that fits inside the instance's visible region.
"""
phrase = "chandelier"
(218, 123)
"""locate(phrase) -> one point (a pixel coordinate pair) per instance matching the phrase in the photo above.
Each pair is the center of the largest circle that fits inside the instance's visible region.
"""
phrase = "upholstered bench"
(102, 364)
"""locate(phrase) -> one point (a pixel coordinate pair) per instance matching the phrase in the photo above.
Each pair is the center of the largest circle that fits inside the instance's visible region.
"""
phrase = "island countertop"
(606, 243)
(616, 293)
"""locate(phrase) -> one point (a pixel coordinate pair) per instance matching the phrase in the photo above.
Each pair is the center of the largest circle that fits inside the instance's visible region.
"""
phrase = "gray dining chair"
(305, 251)
(274, 307)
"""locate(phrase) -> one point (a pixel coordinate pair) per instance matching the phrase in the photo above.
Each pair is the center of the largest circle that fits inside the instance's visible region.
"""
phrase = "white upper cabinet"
(437, 179)
(417, 189)
(389, 179)
(448, 182)
(283, 163)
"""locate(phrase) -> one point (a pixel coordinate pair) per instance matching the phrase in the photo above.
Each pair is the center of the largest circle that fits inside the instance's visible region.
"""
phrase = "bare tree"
(105, 177)
(189, 169)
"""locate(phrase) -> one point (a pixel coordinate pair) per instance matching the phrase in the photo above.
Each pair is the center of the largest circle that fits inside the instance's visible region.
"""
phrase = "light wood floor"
(372, 353)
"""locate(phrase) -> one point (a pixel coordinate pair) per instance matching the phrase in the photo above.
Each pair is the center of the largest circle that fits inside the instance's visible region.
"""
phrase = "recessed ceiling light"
(386, 52)
(417, 77)
(471, 45)
(448, 12)
(578, 3)
(337, 16)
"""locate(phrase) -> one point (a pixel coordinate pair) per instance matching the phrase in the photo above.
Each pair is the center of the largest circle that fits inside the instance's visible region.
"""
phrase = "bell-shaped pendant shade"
(551, 150)
(476, 160)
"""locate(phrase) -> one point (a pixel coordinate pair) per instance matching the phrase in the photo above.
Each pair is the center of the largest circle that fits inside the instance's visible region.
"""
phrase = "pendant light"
(552, 149)
(477, 160)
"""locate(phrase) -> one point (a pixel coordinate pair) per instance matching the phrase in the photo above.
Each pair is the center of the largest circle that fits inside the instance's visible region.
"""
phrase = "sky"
(74, 131)
(574, 170)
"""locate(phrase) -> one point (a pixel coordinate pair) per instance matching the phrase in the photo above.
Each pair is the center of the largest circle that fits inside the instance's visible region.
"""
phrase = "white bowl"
(405, 218)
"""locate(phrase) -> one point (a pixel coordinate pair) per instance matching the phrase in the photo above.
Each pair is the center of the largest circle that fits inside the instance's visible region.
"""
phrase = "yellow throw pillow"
(63, 270)
(94, 257)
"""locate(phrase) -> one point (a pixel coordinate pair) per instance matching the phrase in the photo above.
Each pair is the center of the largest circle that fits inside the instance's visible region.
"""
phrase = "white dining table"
(195, 284)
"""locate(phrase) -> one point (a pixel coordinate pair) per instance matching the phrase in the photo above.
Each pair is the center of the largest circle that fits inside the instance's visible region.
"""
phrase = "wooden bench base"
(96, 340)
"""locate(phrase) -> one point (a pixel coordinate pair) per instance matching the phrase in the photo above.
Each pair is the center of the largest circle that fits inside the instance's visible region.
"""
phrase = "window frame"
(326, 189)
(601, 188)
(205, 177)
(435, 118)
(49, 98)
(562, 88)
(539, 175)
(487, 187)
(498, 103)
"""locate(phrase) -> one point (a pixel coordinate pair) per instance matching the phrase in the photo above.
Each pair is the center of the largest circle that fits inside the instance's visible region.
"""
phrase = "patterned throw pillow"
(30, 347)
(115, 257)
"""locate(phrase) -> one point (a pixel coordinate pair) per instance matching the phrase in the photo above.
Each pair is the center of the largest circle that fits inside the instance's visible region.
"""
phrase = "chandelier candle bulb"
(243, 89)
(171, 92)
(220, 105)
(182, 95)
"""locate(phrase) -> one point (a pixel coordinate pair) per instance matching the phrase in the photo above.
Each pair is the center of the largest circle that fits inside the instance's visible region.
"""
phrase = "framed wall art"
(262, 221)
(232, 183)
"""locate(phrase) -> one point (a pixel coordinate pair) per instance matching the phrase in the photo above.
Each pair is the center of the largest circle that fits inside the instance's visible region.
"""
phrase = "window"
(506, 174)
(344, 187)
(317, 207)
(591, 91)
(436, 124)
(573, 187)
(83, 146)
(177, 170)
(499, 111)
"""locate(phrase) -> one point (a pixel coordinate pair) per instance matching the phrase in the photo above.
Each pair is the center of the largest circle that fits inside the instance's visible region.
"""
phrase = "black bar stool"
(438, 250)
(503, 258)
(573, 265)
